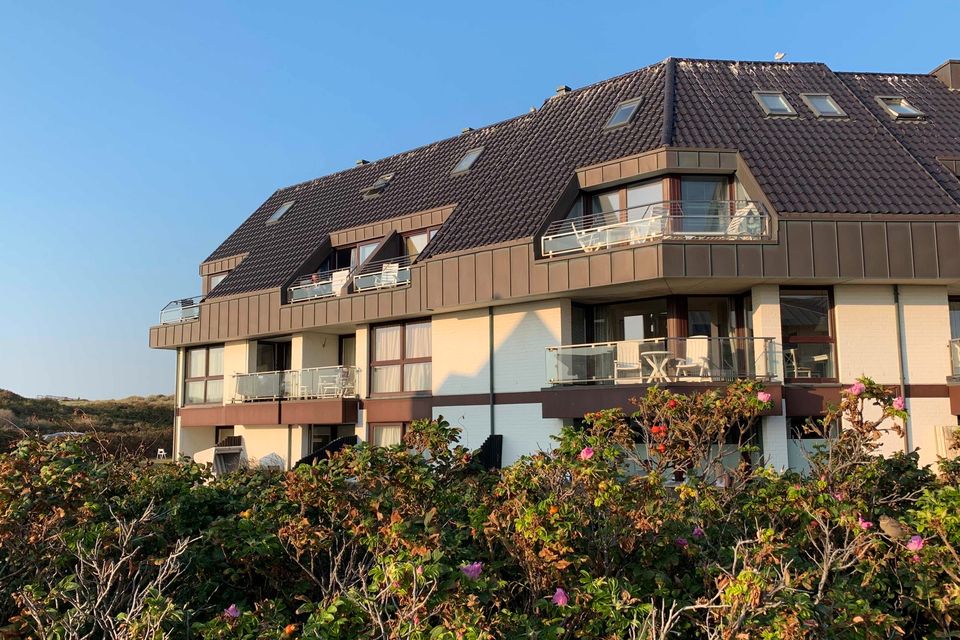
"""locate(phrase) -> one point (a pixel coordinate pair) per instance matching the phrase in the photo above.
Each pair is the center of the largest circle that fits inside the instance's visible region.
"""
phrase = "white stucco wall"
(766, 324)
(521, 334)
(236, 359)
(474, 420)
(314, 350)
(524, 430)
(193, 439)
(461, 352)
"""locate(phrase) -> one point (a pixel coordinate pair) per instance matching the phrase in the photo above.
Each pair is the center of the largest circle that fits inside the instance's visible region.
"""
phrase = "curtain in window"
(214, 390)
(194, 392)
(416, 377)
(386, 343)
(385, 435)
(216, 361)
(196, 363)
(418, 340)
(387, 379)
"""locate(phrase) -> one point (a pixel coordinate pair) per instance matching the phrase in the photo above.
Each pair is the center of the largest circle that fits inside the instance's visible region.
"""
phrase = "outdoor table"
(658, 364)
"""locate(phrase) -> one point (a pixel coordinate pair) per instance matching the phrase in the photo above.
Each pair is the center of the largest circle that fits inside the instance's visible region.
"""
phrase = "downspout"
(901, 362)
(490, 360)
(289, 447)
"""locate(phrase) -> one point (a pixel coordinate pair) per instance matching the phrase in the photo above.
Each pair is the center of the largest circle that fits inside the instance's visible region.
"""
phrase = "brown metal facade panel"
(749, 260)
(924, 238)
(948, 249)
(205, 311)
(233, 318)
(399, 302)
(484, 276)
(799, 249)
(559, 275)
(826, 257)
(501, 274)
(539, 278)
(647, 262)
(331, 411)
(574, 402)
(674, 263)
(697, 260)
(254, 413)
(520, 259)
(953, 392)
(810, 400)
(369, 308)
(775, 255)
(723, 259)
(900, 249)
(925, 390)
(600, 270)
(451, 282)
(434, 284)
(850, 249)
(384, 305)
(207, 416)
(579, 272)
(875, 250)
(621, 266)
(381, 410)
(467, 279)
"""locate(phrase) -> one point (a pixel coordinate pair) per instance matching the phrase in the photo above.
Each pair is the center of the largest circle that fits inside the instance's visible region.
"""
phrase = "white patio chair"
(627, 362)
(697, 358)
(793, 365)
(161, 454)
(738, 225)
(588, 240)
(388, 276)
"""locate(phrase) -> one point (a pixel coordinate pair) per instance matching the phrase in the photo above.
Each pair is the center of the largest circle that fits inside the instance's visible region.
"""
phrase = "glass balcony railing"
(809, 360)
(955, 360)
(384, 274)
(181, 310)
(664, 360)
(711, 220)
(297, 384)
(323, 284)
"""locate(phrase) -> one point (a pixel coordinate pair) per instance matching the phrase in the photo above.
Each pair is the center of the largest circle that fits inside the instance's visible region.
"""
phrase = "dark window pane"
(805, 314)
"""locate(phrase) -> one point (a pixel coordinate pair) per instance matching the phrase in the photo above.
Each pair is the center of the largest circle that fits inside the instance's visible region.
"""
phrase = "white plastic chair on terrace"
(793, 364)
(738, 225)
(588, 240)
(627, 362)
(161, 454)
(697, 357)
(388, 276)
(338, 281)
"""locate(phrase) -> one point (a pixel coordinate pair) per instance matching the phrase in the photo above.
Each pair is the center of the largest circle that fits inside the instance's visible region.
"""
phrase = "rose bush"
(662, 523)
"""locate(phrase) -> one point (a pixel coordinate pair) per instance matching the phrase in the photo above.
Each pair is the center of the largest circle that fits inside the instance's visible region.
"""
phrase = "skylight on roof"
(279, 212)
(774, 103)
(467, 160)
(823, 105)
(377, 187)
(898, 107)
(623, 114)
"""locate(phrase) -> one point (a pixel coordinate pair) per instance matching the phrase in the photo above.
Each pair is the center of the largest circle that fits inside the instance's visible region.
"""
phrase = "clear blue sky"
(134, 138)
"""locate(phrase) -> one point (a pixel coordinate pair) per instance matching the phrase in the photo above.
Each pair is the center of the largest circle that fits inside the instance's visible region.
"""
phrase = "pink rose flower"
(586, 453)
(560, 598)
(856, 388)
(763, 396)
(864, 524)
(232, 611)
(472, 570)
(915, 544)
(681, 542)
(698, 532)
(899, 403)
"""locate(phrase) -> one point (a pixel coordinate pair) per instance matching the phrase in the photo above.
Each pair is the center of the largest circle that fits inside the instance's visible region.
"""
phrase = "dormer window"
(378, 187)
(623, 114)
(899, 108)
(466, 162)
(774, 103)
(279, 212)
(823, 105)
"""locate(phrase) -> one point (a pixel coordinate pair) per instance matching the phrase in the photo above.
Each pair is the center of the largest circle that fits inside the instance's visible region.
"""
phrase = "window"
(203, 382)
(954, 304)
(807, 330)
(348, 351)
(378, 187)
(216, 279)
(401, 358)
(623, 114)
(323, 434)
(773, 103)
(810, 428)
(466, 162)
(898, 107)
(703, 199)
(273, 355)
(385, 435)
(348, 257)
(822, 105)
(279, 212)
(414, 243)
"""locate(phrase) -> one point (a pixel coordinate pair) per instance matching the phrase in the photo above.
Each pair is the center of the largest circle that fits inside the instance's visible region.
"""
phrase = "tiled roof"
(863, 163)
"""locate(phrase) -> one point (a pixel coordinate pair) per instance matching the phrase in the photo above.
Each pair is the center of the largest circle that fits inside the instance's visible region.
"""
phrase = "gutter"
(493, 419)
(902, 365)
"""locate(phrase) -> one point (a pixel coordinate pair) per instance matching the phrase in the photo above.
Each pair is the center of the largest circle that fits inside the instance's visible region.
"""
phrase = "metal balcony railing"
(955, 360)
(689, 220)
(181, 310)
(322, 284)
(297, 384)
(384, 274)
(664, 360)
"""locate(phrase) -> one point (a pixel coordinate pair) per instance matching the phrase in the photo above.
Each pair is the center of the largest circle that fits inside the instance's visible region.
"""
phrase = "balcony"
(182, 310)
(723, 220)
(383, 274)
(324, 284)
(298, 384)
(955, 360)
(664, 361)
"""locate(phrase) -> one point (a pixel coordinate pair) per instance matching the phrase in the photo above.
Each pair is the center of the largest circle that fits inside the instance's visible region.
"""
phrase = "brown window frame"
(374, 425)
(430, 231)
(831, 338)
(402, 362)
(204, 378)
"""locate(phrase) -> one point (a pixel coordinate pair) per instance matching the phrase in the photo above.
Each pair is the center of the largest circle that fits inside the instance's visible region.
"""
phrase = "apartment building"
(685, 224)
